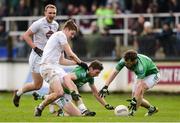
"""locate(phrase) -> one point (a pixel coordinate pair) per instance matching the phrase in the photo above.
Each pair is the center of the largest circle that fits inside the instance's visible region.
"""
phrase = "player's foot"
(89, 113)
(35, 95)
(60, 113)
(16, 99)
(131, 113)
(152, 111)
(37, 112)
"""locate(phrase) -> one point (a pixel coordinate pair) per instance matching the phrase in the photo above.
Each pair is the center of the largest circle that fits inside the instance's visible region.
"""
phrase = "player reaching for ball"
(147, 77)
(81, 76)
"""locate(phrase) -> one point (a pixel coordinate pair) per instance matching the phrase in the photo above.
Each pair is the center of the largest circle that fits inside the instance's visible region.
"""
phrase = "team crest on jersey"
(49, 33)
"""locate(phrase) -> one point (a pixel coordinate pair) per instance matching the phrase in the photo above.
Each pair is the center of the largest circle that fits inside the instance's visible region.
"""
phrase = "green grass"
(168, 104)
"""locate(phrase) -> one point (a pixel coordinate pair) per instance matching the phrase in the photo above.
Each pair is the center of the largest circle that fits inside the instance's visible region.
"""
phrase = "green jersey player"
(81, 76)
(147, 76)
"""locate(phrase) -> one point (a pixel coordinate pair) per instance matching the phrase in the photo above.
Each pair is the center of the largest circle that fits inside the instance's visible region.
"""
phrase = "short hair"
(130, 55)
(50, 6)
(71, 25)
(96, 65)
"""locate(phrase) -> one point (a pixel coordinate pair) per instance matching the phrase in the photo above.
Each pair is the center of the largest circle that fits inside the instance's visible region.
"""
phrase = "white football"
(121, 110)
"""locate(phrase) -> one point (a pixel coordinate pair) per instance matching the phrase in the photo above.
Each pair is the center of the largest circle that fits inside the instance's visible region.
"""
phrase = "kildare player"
(81, 76)
(40, 30)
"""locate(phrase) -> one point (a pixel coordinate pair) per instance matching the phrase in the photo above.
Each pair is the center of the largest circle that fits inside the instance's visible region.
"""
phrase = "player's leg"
(72, 110)
(138, 92)
(151, 109)
(57, 91)
(81, 106)
(65, 103)
(36, 85)
(151, 81)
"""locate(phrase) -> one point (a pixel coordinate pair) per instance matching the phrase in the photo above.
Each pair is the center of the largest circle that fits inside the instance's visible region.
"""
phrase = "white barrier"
(14, 75)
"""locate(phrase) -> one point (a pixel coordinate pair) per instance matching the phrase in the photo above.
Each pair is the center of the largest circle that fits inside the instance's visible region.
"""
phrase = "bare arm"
(111, 77)
(95, 93)
(64, 61)
(27, 36)
(71, 54)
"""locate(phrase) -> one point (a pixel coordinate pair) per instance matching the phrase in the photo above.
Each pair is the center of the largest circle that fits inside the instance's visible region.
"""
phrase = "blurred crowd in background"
(93, 41)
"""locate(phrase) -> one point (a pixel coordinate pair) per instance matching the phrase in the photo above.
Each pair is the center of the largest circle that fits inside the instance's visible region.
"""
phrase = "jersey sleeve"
(35, 26)
(91, 81)
(120, 65)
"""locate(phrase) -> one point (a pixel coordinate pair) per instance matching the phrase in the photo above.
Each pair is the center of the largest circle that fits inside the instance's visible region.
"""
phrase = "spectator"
(100, 21)
(22, 48)
(3, 35)
(174, 6)
(138, 26)
(177, 44)
(139, 6)
(71, 10)
(118, 22)
(136, 30)
(79, 45)
(166, 40)
(108, 21)
(163, 6)
(84, 23)
(22, 10)
(92, 40)
(147, 41)
(3, 8)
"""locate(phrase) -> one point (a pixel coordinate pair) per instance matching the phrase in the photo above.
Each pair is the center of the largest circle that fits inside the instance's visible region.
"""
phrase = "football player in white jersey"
(40, 30)
(53, 73)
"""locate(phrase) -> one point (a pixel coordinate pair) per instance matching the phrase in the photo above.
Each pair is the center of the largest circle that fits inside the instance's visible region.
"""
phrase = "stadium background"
(101, 37)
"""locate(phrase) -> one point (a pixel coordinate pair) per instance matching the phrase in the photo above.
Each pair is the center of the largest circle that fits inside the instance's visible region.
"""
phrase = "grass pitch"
(168, 104)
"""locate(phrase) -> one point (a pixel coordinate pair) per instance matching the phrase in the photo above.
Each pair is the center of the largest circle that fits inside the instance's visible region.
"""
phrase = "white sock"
(82, 107)
(19, 92)
(51, 108)
(151, 108)
(41, 106)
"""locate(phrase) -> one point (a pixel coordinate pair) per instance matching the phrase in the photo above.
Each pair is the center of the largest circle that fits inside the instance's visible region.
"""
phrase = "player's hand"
(83, 65)
(75, 96)
(104, 91)
(109, 107)
(132, 106)
(38, 51)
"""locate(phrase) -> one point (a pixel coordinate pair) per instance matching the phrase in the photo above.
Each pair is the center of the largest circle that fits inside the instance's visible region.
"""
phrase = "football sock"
(82, 107)
(151, 108)
(41, 106)
(51, 108)
(19, 92)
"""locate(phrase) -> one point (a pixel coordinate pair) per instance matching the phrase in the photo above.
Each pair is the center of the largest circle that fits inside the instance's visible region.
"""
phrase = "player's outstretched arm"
(99, 99)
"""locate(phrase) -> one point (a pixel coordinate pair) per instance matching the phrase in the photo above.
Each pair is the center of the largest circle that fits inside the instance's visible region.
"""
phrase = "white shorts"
(150, 81)
(50, 71)
(62, 101)
(34, 61)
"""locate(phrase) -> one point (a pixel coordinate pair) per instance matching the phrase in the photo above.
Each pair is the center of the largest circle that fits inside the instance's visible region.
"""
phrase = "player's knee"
(59, 94)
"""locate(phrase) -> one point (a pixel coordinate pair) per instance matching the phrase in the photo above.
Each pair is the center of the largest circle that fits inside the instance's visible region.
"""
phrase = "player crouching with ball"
(147, 77)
